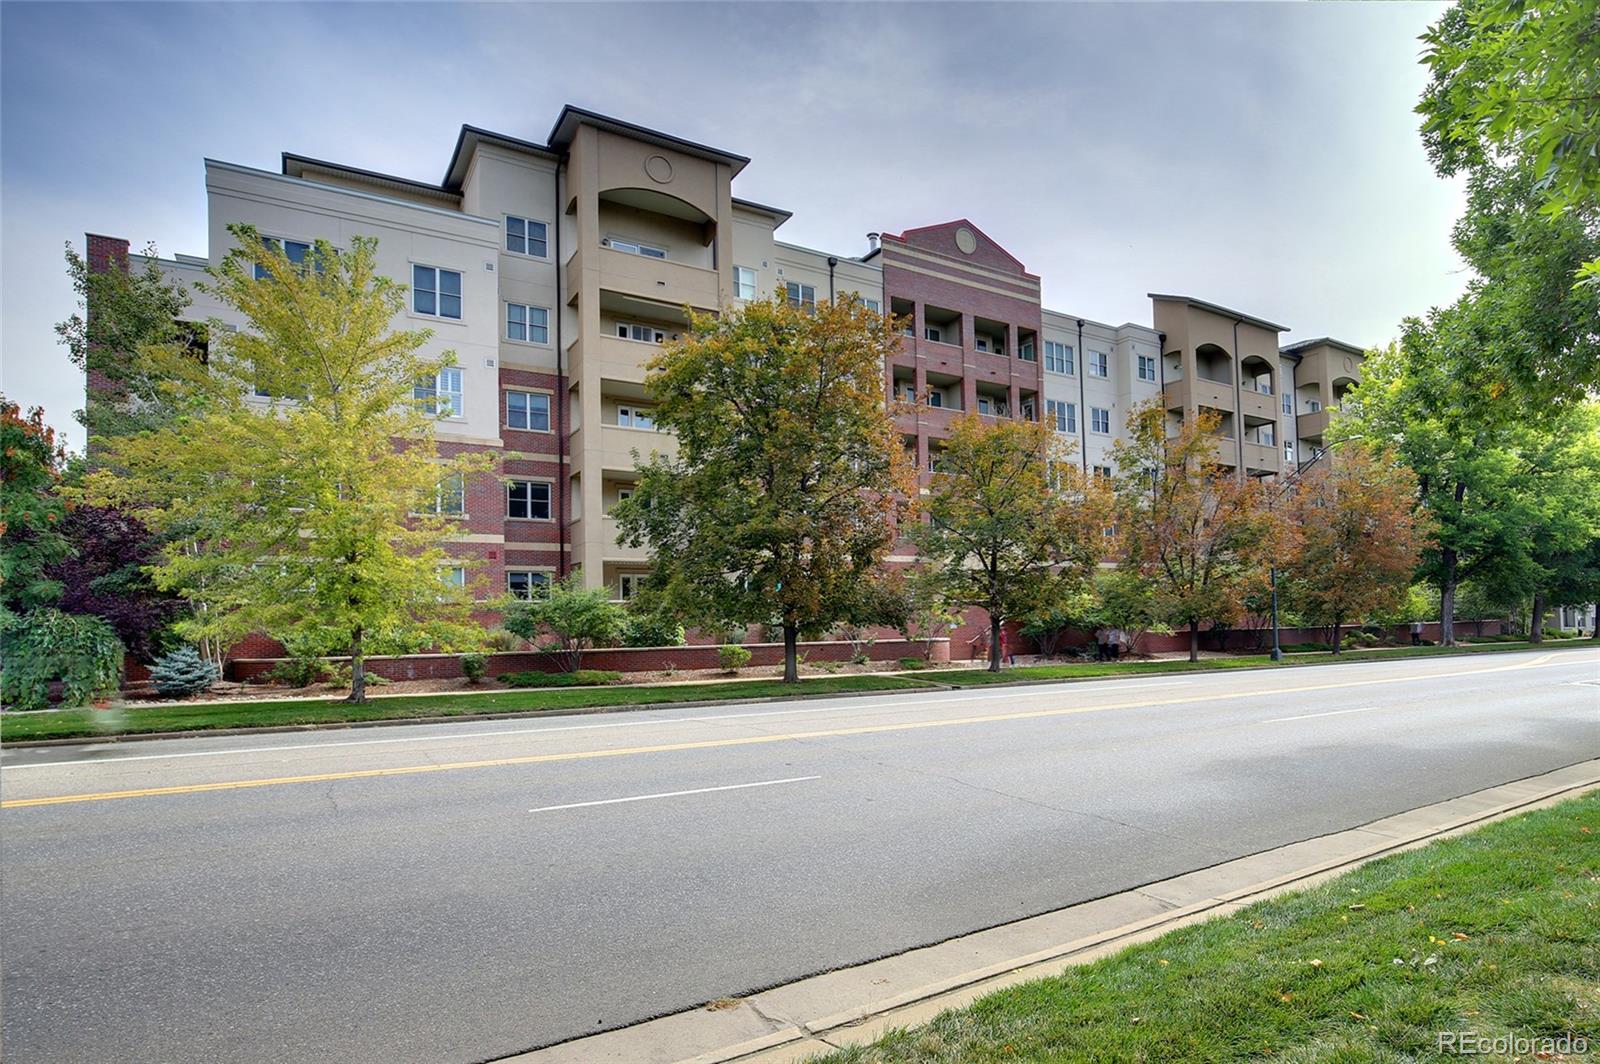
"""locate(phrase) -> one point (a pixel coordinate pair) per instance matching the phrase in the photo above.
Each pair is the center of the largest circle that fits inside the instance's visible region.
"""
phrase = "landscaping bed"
(1491, 935)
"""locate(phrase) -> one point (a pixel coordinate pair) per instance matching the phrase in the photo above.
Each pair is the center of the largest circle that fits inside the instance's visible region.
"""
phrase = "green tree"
(1125, 598)
(567, 620)
(789, 478)
(1201, 535)
(31, 512)
(1514, 105)
(1519, 80)
(1492, 489)
(1013, 527)
(125, 318)
(326, 509)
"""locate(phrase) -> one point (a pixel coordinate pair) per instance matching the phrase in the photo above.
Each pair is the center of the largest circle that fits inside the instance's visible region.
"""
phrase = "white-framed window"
(524, 236)
(1288, 403)
(624, 494)
(527, 583)
(936, 399)
(1058, 357)
(644, 334)
(983, 344)
(442, 393)
(801, 295)
(1147, 367)
(1102, 473)
(629, 584)
(528, 500)
(1288, 450)
(527, 324)
(984, 405)
(1100, 420)
(934, 333)
(873, 305)
(450, 497)
(1062, 416)
(744, 282)
(1097, 364)
(436, 292)
(455, 576)
(1026, 352)
(633, 417)
(528, 410)
(296, 251)
(634, 247)
(1313, 406)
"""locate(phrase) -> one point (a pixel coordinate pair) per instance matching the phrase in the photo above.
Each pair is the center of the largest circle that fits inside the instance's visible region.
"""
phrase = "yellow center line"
(749, 740)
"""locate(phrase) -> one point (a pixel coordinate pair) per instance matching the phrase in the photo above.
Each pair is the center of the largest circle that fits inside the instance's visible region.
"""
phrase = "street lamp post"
(1277, 651)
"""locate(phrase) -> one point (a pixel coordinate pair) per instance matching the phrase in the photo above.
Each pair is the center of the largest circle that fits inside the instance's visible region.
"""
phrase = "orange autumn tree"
(1203, 538)
(1358, 537)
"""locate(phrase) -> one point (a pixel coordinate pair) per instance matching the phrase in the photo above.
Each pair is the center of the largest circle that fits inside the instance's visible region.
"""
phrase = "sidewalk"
(856, 1005)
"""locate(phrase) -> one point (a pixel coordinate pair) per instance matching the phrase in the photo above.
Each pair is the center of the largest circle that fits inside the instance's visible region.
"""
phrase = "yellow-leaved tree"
(301, 479)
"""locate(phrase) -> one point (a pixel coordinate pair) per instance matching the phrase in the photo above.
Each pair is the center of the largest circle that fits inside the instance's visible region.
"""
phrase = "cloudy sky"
(1259, 155)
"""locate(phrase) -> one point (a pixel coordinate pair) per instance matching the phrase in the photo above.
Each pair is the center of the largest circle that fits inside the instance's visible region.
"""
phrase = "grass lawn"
(1092, 670)
(1496, 932)
(18, 727)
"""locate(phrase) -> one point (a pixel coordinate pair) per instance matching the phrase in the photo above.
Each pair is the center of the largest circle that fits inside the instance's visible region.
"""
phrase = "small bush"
(473, 666)
(45, 644)
(733, 658)
(652, 628)
(913, 663)
(298, 672)
(830, 667)
(182, 673)
(1305, 648)
(502, 640)
(576, 678)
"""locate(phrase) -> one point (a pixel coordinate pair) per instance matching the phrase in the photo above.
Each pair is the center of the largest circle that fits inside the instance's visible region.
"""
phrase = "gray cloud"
(1260, 155)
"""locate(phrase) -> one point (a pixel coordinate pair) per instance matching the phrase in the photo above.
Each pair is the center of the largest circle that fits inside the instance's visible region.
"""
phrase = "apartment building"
(555, 270)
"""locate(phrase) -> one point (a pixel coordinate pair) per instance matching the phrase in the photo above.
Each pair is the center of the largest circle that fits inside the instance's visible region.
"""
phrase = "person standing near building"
(1416, 633)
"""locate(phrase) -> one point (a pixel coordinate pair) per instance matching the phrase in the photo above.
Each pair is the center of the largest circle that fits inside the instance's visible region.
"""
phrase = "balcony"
(616, 552)
(1259, 406)
(1262, 457)
(1199, 391)
(658, 280)
(1313, 425)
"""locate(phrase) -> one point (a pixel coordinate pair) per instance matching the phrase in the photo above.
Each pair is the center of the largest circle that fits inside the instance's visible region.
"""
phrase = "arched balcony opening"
(1256, 375)
(1213, 364)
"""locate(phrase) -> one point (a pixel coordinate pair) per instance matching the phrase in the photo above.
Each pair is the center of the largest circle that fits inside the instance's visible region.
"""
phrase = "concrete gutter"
(852, 1006)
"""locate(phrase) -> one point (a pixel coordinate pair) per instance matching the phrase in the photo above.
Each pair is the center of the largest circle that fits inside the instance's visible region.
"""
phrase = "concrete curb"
(387, 722)
(453, 718)
(848, 1006)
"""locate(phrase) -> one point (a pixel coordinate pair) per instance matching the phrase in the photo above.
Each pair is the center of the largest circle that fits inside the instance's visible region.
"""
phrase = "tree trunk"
(994, 643)
(1338, 627)
(358, 670)
(1447, 599)
(791, 658)
(1536, 625)
(1194, 640)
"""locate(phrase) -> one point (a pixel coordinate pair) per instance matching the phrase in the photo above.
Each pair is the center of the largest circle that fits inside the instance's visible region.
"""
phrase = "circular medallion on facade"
(1349, 364)
(966, 241)
(658, 168)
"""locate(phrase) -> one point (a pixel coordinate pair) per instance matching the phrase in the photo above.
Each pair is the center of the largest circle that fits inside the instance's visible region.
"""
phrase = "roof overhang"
(1297, 349)
(1217, 308)
(571, 118)
(307, 169)
(471, 137)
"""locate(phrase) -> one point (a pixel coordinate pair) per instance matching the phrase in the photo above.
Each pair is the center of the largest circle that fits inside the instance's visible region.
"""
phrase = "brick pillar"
(103, 254)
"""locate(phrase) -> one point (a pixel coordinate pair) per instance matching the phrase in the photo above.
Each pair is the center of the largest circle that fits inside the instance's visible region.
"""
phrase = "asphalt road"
(456, 892)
